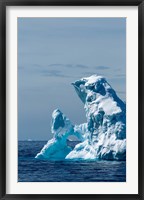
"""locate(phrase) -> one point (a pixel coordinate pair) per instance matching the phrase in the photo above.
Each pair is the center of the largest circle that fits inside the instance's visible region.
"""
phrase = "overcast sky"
(52, 53)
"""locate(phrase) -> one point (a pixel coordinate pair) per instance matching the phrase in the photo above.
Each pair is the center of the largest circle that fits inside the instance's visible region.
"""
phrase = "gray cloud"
(53, 73)
(76, 66)
(101, 67)
(81, 66)
(68, 65)
(55, 65)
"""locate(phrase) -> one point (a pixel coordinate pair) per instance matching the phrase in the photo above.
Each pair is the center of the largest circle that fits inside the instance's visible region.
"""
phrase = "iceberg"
(103, 136)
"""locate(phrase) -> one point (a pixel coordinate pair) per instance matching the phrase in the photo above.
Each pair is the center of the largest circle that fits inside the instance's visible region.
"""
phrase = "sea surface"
(34, 170)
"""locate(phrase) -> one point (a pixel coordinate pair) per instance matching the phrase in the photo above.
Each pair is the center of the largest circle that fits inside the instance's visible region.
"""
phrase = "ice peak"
(97, 91)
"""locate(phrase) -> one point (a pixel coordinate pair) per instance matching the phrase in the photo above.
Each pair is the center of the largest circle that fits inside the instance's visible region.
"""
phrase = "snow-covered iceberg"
(104, 134)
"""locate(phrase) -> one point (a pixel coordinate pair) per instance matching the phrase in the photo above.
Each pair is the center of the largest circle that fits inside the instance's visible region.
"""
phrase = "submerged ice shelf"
(104, 134)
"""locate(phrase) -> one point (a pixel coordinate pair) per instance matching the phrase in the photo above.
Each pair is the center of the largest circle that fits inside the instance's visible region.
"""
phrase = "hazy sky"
(54, 52)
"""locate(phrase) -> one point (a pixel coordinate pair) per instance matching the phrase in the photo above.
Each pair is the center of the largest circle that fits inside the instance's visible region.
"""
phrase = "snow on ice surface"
(104, 134)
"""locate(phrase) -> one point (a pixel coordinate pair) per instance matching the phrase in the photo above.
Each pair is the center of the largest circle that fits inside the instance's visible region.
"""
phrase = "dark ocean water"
(34, 170)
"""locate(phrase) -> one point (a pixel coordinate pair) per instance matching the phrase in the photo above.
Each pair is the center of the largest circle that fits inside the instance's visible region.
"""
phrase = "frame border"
(3, 5)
